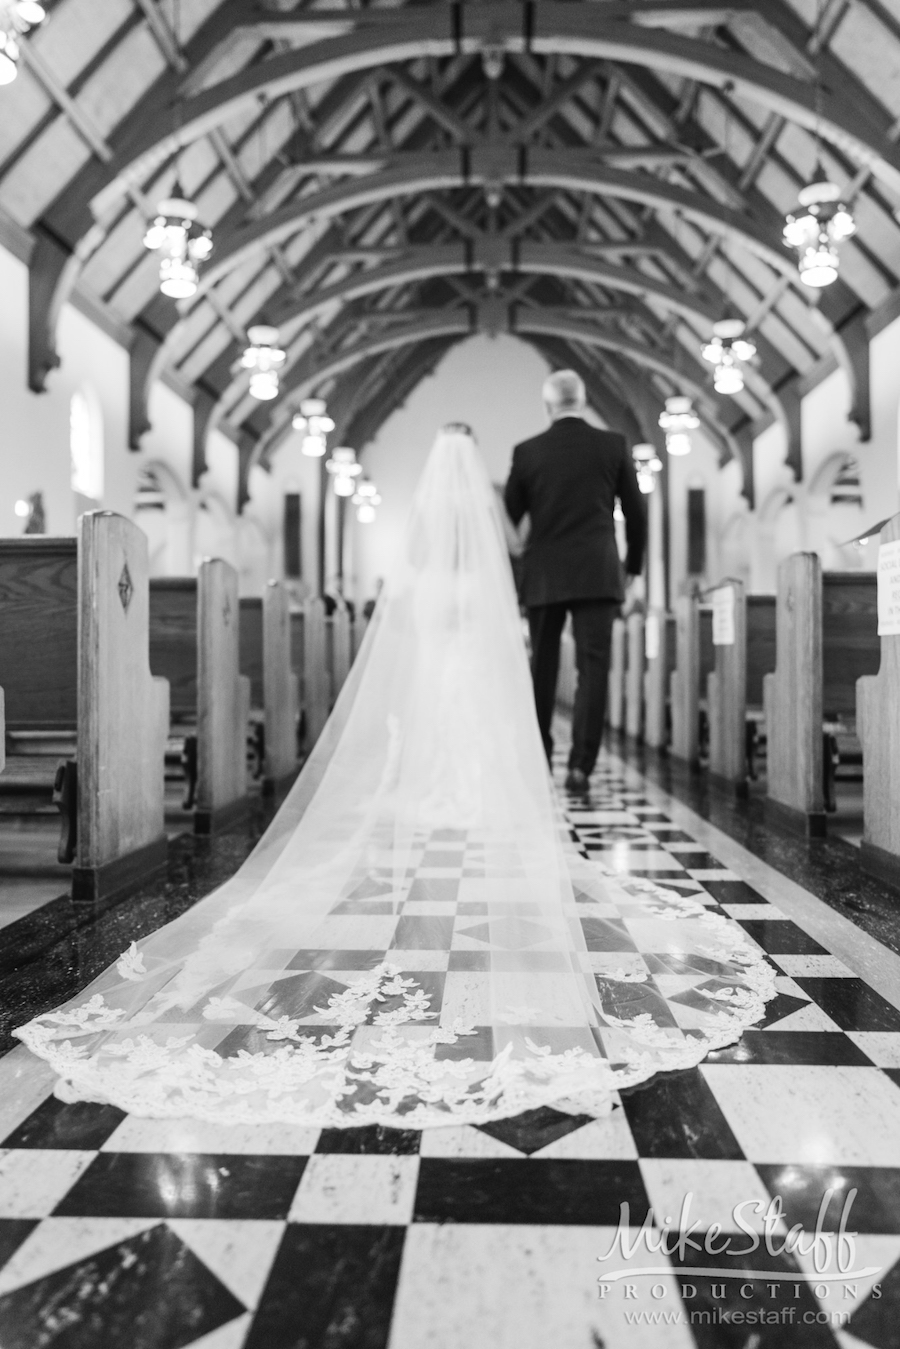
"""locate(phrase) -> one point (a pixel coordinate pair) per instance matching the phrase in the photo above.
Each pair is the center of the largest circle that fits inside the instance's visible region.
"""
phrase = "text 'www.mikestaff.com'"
(723, 1316)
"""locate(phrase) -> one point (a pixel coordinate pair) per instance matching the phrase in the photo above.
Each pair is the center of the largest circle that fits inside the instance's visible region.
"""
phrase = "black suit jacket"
(567, 479)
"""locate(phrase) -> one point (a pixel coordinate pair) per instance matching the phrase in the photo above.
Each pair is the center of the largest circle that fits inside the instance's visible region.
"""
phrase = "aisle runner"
(170, 1233)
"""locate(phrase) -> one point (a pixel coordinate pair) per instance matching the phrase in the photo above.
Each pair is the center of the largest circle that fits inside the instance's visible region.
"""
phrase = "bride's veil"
(414, 940)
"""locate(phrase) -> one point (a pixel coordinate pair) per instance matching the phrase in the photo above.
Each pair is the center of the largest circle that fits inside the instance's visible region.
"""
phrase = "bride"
(414, 942)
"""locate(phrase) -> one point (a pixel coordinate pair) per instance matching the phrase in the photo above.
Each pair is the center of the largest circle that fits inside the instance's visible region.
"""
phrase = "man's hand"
(635, 593)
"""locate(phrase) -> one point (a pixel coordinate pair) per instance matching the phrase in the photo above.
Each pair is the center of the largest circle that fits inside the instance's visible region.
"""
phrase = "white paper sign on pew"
(889, 589)
(723, 616)
(651, 637)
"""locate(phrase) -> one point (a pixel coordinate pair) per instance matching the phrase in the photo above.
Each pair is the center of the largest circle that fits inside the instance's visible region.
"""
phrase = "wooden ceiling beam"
(574, 171)
(161, 123)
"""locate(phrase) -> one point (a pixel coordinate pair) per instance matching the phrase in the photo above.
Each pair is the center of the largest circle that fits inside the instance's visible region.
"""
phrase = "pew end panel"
(297, 666)
(123, 714)
(634, 679)
(878, 727)
(684, 682)
(727, 702)
(281, 735)
(316, 679)
(793, 699)
(223, 702)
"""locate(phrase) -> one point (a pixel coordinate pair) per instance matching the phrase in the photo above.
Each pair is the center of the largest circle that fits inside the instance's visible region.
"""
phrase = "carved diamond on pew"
(126, 589)
(226, 611)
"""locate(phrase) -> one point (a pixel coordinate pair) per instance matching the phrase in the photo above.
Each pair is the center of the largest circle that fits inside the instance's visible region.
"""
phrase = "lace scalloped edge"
(172, 1081)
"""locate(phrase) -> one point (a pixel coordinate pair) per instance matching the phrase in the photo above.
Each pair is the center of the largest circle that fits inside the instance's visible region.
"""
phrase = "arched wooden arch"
(164, 121)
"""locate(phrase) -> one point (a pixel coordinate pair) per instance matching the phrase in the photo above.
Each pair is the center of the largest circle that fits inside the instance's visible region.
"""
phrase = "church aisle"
(163, 1234)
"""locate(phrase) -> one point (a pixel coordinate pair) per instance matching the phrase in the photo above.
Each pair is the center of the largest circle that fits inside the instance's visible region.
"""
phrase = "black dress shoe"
(576, 781)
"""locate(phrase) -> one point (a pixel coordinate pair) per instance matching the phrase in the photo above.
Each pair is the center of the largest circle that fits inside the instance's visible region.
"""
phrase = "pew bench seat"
(37, 806)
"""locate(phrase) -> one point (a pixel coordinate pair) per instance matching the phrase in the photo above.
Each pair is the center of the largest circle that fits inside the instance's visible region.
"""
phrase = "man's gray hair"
(564, 391)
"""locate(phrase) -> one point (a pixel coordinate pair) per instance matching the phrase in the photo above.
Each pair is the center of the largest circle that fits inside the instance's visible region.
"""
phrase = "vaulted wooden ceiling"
(604, 177)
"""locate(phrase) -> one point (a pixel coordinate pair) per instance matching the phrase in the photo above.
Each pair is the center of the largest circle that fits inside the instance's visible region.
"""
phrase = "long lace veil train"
(413, 942)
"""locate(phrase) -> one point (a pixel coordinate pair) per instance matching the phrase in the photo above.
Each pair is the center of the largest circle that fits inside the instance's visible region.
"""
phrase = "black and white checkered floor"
(120, 1231)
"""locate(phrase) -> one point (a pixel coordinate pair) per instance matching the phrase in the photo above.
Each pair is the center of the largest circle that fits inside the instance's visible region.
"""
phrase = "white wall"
(494, 384)
(699, 469)
(35, 453)
(34, 428)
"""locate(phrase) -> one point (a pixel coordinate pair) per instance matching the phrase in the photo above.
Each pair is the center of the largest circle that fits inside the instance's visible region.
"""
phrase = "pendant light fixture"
(365, 499)
(182, 242)
(648, 465)
(821, 221)
(678, 420)
(727, 351)
(817, 227)
(312, 419)
(263, 358)
(17, 17)
(344, 469)
(176, 232)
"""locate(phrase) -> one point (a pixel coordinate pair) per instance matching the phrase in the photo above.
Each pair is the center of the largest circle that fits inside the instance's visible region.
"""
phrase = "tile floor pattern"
(116, 1230)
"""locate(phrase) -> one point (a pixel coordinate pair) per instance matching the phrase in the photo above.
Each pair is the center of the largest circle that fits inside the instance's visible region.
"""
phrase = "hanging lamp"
(365, 499)
(182, 242)
(263, 358)
(817, 227)
(344, 469)
(678, 420)
(17, 17)
(648, 465)
(727, 351)
(314, 421)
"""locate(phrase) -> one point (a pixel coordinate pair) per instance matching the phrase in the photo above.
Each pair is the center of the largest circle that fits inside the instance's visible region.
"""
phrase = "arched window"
(86, 444)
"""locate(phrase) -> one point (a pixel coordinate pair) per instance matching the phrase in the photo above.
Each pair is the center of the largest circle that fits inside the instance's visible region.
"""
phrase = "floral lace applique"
(379, 1064)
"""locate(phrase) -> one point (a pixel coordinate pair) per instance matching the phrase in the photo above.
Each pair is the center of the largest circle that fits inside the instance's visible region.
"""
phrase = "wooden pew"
(173, 656)
(194, 644)
(726, 685)
(298, 674)
(878, 726)
(279, 690)
(223, 701)
(659, 642)
(793, 697)
(850, 651)
(265, 659)
(250, 646)
(634, 676)
(760, 617)
(826, 640)
(74, 621)
(615, 701)
(316, 676)
(694, 660)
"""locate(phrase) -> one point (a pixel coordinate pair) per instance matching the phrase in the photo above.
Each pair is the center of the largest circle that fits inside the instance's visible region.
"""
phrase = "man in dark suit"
(567, 480)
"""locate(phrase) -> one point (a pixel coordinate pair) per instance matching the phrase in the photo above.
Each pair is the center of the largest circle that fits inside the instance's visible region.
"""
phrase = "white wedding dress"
(414, 942)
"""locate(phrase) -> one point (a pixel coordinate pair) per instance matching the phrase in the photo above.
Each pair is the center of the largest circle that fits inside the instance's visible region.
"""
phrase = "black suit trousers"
(592, 622)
